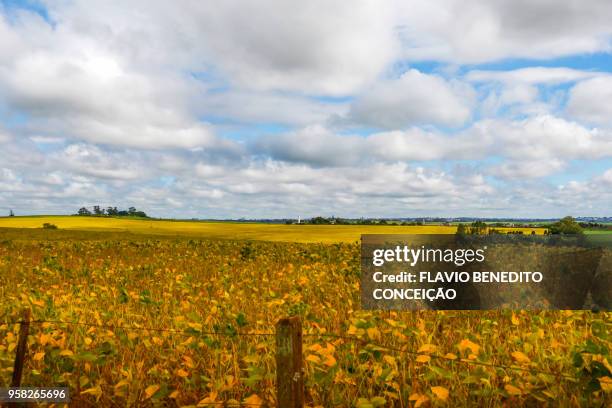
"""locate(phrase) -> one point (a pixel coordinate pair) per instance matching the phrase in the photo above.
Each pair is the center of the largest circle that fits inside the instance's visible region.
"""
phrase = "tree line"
(111, 212)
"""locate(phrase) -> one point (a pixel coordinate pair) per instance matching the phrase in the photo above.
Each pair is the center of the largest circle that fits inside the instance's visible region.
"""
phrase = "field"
(231, 230)
(165, 320)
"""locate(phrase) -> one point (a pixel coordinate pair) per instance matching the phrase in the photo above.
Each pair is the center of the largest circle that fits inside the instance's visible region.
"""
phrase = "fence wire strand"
(352, 339)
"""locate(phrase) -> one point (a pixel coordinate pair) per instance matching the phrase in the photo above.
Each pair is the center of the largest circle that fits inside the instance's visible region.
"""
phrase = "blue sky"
(381, 109)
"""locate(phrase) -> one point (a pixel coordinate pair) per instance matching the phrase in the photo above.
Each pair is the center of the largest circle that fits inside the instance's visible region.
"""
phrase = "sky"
(276, 109)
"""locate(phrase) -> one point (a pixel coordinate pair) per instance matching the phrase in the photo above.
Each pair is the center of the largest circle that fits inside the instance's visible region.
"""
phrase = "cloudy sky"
(284, 109)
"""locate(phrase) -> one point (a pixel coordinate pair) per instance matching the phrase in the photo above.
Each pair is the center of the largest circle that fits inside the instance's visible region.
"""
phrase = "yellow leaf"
(390, 360)
(174, 394)
(122, 383)
(150, 390)
(419, 399)
(427, 348)
(39, 356)
(95, 391)
(313, 358)
(512, 390)
(188, 362)
(315, 347)
(515, 319)
(450, 356)
(606, 384)
(423, 359)
(44, 339)
(520, 357)
(352, 330)
(373, 333)
(212, 397)
(467, 344)
(440, 392)
(37, 302)
(182, 373)
(330, 361)
(66, 353)
(253, 400)
(195, 326)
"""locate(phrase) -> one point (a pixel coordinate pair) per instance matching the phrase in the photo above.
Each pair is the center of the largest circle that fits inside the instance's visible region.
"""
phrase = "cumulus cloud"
(532, 75)
(275, 108)
(84, 87)
(413, 99)
(248, 107)
(526, 169)
(590, 101)
(92, 161)
(543, 137)
(477, 31)
(320, 47)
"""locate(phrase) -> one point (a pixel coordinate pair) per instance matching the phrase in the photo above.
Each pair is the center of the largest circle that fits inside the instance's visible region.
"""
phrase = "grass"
(230, 230)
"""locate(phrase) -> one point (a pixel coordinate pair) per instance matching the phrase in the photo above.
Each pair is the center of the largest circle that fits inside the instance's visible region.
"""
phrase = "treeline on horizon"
(111, 212)
(566, 225)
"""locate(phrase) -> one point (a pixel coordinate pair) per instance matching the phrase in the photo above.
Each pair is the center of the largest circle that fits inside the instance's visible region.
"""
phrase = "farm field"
(185, 321)
(230, 230)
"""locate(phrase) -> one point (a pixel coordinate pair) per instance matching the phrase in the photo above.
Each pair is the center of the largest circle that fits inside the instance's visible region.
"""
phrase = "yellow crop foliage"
(147, 307)
(231, 230)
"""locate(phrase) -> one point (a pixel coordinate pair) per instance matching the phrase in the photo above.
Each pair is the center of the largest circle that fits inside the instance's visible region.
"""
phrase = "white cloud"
(479, 31)
(532, 75)
(413, 99)
(111, 104)
(91, 161)
(539, 138)
(316, 47)
(547, 137)
(315, 145)
(247, 107)
(527, 169)
(590, 101)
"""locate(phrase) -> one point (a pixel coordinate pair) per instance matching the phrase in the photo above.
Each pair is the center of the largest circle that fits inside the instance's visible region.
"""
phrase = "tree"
(477, 228)
(11, 213)
(461, 230)
(131, 210)
(83, 211)
(566, 225)
(97, 210)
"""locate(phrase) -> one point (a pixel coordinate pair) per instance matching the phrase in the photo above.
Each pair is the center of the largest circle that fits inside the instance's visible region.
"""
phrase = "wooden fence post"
(22, 345)
(289, 373)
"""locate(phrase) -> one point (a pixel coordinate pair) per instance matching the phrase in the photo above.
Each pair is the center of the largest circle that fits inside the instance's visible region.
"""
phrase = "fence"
(289, 358)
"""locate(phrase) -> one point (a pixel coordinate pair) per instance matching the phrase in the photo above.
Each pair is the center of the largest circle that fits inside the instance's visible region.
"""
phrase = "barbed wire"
(194, 332)
(353, 339)
(439, 357)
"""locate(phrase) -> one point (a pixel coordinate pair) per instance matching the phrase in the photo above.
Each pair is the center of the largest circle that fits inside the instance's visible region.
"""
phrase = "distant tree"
(97, 210)
(112, 211)
(461, 230)
(566, 225)
(83, 211)
(477, 228)
(319, 220)
(131, 210)
(11, 213)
